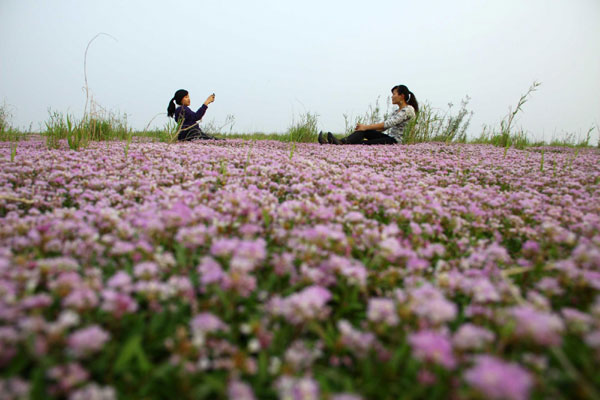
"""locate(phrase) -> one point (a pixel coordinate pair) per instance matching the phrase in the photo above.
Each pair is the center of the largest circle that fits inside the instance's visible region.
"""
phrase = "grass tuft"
(305, 130)
(505, 137)
(7, 132)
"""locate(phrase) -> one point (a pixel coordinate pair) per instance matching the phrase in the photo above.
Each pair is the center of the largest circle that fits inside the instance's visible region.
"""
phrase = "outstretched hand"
(210, 99)
(360, 127)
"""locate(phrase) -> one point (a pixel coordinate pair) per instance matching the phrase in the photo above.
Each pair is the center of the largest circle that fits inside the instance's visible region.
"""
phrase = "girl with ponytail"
(393, 125)
(189, 119)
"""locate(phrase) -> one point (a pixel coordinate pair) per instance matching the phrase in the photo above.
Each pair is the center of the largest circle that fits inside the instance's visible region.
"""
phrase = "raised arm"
(197, 116)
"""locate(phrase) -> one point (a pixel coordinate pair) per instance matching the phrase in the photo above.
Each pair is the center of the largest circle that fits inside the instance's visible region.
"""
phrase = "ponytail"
(409, 96)
(179, 95)
(171, 108)
(412, 100)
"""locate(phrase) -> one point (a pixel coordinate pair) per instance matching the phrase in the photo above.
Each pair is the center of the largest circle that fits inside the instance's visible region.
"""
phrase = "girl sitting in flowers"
(189, 129)
(393, 125)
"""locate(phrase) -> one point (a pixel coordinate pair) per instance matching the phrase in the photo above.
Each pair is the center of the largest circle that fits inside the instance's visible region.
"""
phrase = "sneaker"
(332, 139)
(321, 139)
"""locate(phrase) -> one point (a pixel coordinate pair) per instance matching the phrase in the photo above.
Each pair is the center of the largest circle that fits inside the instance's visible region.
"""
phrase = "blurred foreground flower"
(497, 379)
(87, 340)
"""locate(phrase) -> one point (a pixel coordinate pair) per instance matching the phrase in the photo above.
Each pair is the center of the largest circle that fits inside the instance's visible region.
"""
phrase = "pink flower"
(122, 248)
(68, 375)
(391, 249)
(530, 248)
(193, 237)
(576, 320)
(82, 298)
(118, 303)
(8, 340)
(241, 282)
(483, 291)
(14, 388)
(432, 347)
(297, 388)
(300, 356)
(430, 304)
(488, 257)
(472, 337)
(207, 323)
(303, 306)
(93, 391)
(210, 271)
(65, 282)
(417, 264)
(355, 340)
(497, 379)
(354, 216)
(223, 247)
(121, 281)
(353, 270)
(238, 390)
(549, 285)
(178, 215)
(58, 264)
(87, 340)
(146, 270)
(284, 264)
(592, 339)
(542, 327)
(592, 278)
(252, 250)
(181, 286)
(381, 310)
(36, 301)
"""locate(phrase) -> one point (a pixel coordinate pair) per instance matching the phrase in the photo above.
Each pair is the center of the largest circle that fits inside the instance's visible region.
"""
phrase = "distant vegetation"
(431, 125)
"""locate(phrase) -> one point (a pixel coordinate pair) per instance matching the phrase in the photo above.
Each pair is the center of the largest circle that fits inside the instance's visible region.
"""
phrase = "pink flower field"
(265, 270)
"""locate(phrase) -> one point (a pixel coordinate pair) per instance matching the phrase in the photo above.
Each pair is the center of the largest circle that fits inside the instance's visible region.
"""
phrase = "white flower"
(254, 345)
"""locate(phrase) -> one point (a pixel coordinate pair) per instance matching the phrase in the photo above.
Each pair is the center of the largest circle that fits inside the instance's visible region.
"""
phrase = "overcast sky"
(269, 61)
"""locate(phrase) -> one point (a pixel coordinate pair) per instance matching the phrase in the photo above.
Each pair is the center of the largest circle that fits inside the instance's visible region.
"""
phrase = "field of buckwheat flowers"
(258, 270)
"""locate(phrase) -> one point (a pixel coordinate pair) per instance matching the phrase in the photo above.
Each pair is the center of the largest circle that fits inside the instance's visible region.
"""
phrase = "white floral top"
(394, 125)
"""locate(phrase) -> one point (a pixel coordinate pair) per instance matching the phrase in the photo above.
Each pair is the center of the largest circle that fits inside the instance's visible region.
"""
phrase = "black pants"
(193, 133)
(368, 137)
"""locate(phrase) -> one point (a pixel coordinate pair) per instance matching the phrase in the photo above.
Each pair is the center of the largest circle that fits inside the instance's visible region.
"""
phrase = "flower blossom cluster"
(265, 270)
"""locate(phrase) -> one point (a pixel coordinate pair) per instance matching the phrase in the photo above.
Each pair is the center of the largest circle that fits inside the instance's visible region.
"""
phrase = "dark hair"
(409, 96)
(179, 95)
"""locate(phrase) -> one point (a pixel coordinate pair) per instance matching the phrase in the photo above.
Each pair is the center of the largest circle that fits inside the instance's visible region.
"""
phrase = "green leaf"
(38, 384)
(180, 255)
(132, 350)
(263, 366)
